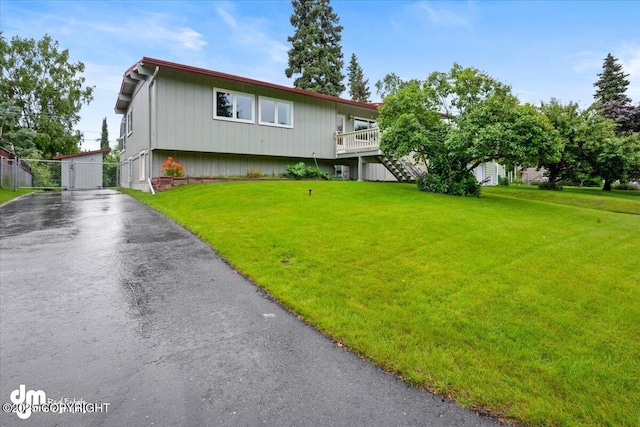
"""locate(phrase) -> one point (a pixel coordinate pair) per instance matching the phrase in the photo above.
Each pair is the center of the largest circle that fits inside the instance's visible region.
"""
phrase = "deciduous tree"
(14, 138)
(391, 83)
(457, 120)
(49, 90)
(316, 51)
(589, 146)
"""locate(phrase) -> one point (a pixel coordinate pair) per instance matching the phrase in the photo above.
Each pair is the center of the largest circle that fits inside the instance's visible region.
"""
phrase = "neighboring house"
(218, 124)
(82, 171)
(530, 175)
(14, 173)
(490, 173)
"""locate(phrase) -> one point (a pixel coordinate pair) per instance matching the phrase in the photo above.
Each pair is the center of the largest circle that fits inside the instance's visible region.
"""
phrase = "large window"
(236, 106)
(275, 112)
(364, 124)
(360, 124)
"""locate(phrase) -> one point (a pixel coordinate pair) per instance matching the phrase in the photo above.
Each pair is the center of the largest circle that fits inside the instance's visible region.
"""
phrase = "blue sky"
(543, 49)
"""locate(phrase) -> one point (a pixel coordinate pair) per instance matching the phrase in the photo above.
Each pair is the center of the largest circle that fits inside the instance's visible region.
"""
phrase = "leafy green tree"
(316, 53)
(614, 158)
(455, 121)
(48, 89)
(589, 146)
(110, 168)
(358, 86)
(104, 135)
(392, 83)
(14, 138)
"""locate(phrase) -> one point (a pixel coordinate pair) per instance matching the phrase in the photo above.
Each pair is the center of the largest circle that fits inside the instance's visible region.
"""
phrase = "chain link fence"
(14, 173)
(57, 175)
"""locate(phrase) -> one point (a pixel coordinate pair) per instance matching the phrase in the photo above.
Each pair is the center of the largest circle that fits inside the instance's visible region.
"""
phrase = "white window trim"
(362, 119)
(141, 166)
(130, 170)
(233, 118)
(276, 101)
(129, 129)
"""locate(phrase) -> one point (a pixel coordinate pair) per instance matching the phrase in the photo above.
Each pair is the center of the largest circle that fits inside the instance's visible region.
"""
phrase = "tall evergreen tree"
(612, 83)
(104, 135)
(358, 86)
(316, 53)
(611, 100)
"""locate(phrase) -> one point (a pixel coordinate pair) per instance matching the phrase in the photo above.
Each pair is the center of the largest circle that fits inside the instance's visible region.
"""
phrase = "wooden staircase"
(403, 171)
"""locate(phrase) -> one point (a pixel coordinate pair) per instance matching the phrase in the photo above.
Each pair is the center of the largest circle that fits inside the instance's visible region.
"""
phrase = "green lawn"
(522, 303)
(6, 195)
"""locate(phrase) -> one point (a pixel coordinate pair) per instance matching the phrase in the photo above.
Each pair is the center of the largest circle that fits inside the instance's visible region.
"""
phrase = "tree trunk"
(607, 185)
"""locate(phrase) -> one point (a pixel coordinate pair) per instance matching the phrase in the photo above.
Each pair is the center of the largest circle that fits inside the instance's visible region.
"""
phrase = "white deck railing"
(360, 140)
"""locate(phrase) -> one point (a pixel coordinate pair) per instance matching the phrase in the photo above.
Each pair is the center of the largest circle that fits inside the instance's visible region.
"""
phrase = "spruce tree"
(611, 100)
(358, 86)
(104, 136)
(316, 53)
(612, 83)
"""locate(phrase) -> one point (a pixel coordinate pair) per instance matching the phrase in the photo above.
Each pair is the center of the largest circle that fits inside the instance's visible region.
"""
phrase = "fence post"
(16, 167)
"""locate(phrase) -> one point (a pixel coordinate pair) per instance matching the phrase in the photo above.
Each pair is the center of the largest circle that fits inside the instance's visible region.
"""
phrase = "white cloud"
(189, 39)
(586, 62)
(226, 16)
(446, 17)
(155, 28)
(630, 59)
(252, 34)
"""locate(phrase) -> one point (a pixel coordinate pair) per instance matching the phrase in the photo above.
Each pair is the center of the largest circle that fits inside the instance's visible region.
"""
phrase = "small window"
(267, 111)
(244, 107)
(129, 122)
(236, 106)
(122, 141)
(275, 112)
(141, 167)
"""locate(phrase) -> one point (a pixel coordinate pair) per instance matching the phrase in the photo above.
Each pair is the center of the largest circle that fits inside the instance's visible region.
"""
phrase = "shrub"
(503, 181)
(517, 182)
(254, 173)
(172, 168)
(466, 185)
(625, 186)
(300, 171)
(547, 185)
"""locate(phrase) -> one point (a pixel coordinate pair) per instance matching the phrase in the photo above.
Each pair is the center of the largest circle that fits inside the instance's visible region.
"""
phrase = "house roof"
(82, 153)
(137, 72)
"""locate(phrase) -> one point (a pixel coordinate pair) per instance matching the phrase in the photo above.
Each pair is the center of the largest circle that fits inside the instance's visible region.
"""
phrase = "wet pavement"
(107, 303)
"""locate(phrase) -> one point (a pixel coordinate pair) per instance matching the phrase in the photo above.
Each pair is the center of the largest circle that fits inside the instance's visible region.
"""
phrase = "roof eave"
(137, 71)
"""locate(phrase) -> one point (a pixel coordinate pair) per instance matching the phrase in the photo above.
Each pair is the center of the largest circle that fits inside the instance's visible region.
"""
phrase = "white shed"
(82, 171)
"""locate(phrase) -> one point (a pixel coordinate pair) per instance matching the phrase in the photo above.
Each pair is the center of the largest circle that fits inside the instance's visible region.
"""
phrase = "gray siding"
(185, 121)
(376, 172)
(139, 138)
(217, 165)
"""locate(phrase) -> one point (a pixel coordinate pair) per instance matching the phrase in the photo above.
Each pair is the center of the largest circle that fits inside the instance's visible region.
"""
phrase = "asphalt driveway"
(108, 304)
